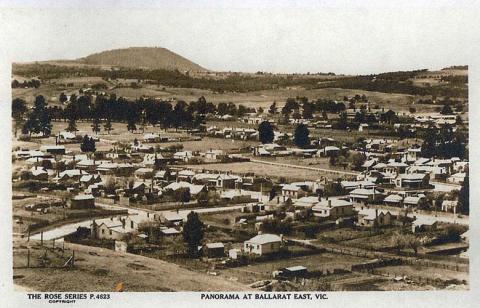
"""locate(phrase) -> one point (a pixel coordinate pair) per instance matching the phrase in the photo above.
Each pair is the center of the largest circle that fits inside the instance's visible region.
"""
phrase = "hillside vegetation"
(143, 57)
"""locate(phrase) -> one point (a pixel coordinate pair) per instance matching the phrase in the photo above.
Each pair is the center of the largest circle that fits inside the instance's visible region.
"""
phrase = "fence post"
(28, 257)
(41, 238)
(73, 258)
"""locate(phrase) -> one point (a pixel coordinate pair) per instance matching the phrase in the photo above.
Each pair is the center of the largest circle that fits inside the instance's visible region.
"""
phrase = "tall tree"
(72, 126)
(273, 108)
(265, 132)
(108, 125)
(193, 233)
(19, 109)
(301, 136)
(96, 125)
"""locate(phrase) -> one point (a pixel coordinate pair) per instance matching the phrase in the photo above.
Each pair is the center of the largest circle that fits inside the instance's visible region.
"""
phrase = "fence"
(46, 254)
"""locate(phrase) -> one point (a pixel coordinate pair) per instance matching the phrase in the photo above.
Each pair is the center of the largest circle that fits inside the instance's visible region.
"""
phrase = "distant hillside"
(143, 57)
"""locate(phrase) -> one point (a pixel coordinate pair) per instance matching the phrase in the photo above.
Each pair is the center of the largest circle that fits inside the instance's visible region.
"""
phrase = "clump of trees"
(34, 83)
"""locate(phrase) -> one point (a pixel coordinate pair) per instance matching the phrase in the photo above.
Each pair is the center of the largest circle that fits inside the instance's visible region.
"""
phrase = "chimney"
(376, 213)
(329, 203)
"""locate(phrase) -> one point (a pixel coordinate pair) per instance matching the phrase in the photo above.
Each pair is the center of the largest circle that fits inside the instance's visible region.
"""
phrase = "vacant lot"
(318, 262)
(100, 270)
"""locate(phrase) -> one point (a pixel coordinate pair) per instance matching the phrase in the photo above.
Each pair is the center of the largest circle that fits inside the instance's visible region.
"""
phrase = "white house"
(263, 244)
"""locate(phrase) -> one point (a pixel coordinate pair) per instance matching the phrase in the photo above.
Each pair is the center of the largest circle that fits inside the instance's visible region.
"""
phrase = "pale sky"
(330, 37)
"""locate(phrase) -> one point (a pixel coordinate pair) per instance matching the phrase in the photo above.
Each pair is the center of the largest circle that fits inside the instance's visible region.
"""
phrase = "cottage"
(263, 244)
(374, 218)
(80, 202)
(291, 191)
(333, 208)
(412, 180)
(457, 178)
(366, 195)
(53, 149)
(393, 200)
(424, 224)
(214, 250)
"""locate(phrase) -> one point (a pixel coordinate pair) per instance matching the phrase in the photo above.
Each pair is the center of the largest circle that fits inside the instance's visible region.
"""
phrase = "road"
(61, 231)
(440, 216)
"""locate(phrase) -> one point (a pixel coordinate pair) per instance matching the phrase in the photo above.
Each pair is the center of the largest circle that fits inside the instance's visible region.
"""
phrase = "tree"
(273, 108)
(193, 233)
(108, 125)
(19, 109)
(464, 196)
(87, 145)
(96, 125)
(398, 241)
(131, 124)
(446, 110)
(357, 160)
(265, 132)
(62, 98)
(72, 126)
(301, 136)
(307, 110)
(182, 195)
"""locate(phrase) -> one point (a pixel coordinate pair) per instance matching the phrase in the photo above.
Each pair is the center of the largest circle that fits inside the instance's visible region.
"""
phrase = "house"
(89, 179)
(172, 218)
(151, 137)
(457, 178)
(393, 200)
(421, 224)
(71, 174)
(364, 195)
(185, 175)
(214, 250)
(412, 180)
(306, 202)
(183, 155)
(374, 217)
(80, 202)
(144, 173)
(66, 136)
(413, 201)
(194, 189)
(170, 232)
(291, 191)
(53, 149)
(329, 151)
(263, 244)
(332, 208)
(351, 185)
(214, 154)
(39, 174)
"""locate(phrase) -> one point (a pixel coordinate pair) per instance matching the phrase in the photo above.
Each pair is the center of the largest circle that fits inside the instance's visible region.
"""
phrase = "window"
(110, 232)
(103, 231)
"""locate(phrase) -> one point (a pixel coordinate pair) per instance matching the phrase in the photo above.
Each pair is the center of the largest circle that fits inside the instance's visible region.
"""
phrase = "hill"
(142, 57)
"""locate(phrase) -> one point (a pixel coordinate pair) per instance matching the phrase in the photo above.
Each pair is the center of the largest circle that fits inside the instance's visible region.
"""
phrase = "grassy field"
(264, 170)
(264, 98)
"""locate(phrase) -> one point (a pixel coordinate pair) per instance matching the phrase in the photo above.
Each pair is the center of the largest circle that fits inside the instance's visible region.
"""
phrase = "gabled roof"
(264, 239)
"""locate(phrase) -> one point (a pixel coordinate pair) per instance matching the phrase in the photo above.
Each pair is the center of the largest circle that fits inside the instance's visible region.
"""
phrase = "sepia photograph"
(239, 150)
